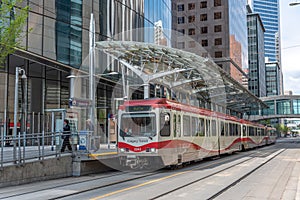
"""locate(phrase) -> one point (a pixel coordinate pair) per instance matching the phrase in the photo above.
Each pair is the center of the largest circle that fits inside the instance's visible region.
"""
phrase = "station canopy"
(182, 71)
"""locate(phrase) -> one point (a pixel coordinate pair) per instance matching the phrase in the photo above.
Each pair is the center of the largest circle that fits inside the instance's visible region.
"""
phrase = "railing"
(37, 146)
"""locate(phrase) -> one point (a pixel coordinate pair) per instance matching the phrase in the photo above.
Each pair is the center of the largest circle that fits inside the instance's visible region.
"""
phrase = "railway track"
(116, 182)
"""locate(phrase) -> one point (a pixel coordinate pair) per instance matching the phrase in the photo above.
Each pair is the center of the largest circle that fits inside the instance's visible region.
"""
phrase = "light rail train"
(161, 132)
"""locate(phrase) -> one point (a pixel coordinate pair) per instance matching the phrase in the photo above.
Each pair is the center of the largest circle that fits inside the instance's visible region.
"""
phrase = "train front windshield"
(138, 125)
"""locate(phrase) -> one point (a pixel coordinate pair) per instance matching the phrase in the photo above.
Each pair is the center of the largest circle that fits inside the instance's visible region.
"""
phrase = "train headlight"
(122, 150)
(152, 150)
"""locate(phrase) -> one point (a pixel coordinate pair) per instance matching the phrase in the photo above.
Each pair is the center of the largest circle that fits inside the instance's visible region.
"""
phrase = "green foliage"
(282, 128)
(12, 21)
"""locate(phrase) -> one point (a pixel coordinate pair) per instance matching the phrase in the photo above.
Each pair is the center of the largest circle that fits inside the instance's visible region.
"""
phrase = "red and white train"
(162, 132)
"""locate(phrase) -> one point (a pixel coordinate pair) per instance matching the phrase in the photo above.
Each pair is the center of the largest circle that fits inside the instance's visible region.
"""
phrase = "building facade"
(270, 14)
(57, 45)
(257, 70)
(272, 77)
(219, 26)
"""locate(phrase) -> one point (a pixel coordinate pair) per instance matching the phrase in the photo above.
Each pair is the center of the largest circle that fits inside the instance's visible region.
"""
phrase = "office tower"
(270, 15)
(257, 70)
(219, 26)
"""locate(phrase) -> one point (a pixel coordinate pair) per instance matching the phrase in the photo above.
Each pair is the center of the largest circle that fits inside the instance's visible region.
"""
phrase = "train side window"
(208, 127)
(239, 130)
(174, 124)
(226, 129)
(231, 127)
(251, 131)
(244, 130)
(201, 130)
(195, 125)
(222, 129)
(178, 128)
(186, 125)
(165, 124)
(213, 127)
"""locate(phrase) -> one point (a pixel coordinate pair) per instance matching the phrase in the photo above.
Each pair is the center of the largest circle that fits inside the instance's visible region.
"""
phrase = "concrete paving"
(278, 179)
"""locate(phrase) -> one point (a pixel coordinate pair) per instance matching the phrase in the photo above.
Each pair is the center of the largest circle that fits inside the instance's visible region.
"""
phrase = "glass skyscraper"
(257, 69)
(57, 45)
(270, 15)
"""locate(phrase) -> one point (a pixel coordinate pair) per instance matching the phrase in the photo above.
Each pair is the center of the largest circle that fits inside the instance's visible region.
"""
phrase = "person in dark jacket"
(66, 136)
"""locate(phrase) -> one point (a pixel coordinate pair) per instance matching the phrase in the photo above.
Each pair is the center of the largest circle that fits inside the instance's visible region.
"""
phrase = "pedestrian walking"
(66, 136)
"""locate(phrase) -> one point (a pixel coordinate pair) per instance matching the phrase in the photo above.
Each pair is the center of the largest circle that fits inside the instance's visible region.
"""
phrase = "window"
(217, 3)
(180, 45)
(207, 127)
(180, 20)
(200, 129)
(141, 125)
(174, 125)
(222, 128)
(191, 6)
(192, 31)
(218, 54)
(203, 29)
(186, 126)
(204, 43)
(192, 44)
(181, 31)
(218, 41)
(217, 15)
(218, 28)
(165, 129)
(213, 128)
(205, 55)
(191, 18)
(194, 126)
(203, 17)
(203, 4)
(180, 7)
(178, 125)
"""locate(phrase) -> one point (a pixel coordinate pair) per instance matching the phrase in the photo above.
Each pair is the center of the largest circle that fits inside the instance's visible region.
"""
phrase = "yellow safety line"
(102, 154)
(140, 185)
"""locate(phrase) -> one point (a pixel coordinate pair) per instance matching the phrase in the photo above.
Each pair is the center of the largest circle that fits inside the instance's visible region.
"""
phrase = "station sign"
(77, 102)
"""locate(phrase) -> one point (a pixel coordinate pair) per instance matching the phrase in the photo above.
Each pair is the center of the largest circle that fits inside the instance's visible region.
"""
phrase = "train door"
(244, 136)
(215, 135)
(177, 156)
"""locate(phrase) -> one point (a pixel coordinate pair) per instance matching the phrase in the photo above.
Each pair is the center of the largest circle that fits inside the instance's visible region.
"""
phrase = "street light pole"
(18, 71)
(91, 70)
(15, 113)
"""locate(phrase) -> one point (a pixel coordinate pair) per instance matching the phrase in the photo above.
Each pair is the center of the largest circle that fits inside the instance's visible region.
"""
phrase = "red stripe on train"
(181, 144)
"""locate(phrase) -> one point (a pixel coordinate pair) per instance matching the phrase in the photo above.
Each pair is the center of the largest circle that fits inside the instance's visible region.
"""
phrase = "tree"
(12, 21)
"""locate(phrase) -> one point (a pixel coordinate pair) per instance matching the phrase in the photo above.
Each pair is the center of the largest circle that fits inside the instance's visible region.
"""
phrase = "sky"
(290, 45)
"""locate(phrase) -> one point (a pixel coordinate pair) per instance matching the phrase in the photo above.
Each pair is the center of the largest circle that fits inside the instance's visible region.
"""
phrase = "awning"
(182, 71)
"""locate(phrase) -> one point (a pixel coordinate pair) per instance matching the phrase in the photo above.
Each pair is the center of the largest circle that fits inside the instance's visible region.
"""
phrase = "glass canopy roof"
(182, 71)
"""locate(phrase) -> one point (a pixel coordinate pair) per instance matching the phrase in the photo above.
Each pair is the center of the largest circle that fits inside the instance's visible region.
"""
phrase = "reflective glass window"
(203, 4)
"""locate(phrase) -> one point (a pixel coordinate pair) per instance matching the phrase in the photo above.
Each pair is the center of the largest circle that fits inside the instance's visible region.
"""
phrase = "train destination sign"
(138, 108)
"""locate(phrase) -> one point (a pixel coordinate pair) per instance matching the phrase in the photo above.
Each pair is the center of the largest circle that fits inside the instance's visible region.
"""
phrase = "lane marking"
(95, 155)
(140, 185)
(160, 179)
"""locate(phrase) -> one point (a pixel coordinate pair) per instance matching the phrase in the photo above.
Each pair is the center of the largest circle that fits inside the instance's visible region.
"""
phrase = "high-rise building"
(272, 77)
(219, 26)
(57, 45)
(270, 15)
(257, 69)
